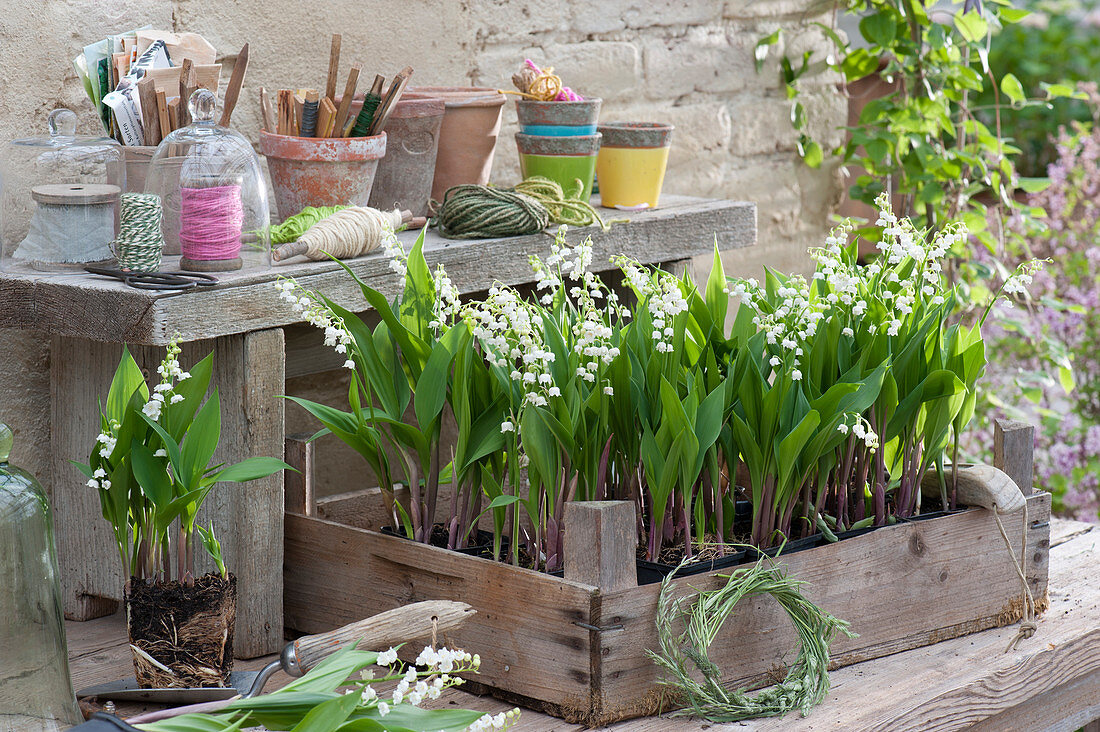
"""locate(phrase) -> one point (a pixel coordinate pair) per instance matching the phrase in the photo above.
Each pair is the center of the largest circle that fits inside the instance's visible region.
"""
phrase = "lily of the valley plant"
(151, 464)
(832, 397)
(316, 703)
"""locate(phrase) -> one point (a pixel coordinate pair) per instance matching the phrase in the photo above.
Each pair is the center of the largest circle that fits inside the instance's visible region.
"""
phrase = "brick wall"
(688, 62)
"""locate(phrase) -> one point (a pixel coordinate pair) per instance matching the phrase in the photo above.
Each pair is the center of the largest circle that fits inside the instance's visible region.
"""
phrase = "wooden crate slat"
(1057, 668)
(525, 628)
(907, 568)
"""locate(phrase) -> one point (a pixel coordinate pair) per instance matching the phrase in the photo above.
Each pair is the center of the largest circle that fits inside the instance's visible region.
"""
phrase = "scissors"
(157, 280)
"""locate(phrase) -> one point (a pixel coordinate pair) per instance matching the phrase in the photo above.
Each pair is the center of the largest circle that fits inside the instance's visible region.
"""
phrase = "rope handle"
(1028, 626)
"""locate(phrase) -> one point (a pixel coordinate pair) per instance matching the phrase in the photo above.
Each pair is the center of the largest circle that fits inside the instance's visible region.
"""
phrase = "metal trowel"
(381, 631)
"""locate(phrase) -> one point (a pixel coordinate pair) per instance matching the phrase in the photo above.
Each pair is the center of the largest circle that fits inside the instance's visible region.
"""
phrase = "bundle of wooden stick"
(164, 94)
(305, 113)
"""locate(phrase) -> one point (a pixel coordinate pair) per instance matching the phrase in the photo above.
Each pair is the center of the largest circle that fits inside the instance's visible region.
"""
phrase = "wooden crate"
(577, 650)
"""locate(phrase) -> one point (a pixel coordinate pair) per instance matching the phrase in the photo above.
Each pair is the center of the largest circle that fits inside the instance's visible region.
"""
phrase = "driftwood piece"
(400, 625)
(978, 485)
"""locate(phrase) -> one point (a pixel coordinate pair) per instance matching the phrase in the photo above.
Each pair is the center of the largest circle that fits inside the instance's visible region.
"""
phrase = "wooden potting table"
(259, 342)
(1050, 682)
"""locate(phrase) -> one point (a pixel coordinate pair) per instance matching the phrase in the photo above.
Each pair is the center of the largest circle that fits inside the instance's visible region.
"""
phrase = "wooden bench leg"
(248, 371)
(80, 374)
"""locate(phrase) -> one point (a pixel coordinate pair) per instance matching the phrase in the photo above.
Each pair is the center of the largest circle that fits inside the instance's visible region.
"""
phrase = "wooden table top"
(105, 309)
(1052, 682)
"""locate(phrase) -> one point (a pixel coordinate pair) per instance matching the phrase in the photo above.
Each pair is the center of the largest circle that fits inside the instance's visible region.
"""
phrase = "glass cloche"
(36, 692)
(59, 199)
(212, 192)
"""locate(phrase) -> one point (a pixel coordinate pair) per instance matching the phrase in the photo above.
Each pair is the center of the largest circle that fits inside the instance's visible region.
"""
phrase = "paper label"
(125, 102)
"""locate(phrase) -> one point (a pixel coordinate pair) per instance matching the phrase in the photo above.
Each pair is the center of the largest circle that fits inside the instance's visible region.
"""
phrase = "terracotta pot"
(558, 119)
(329, 171)
(468, 136)
(404, 177)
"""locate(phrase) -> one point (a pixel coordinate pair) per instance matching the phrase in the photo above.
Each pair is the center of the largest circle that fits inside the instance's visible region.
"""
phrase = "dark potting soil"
(483, 548)
(187, 629)
(792, 546)
(440, 536)
(653, 572)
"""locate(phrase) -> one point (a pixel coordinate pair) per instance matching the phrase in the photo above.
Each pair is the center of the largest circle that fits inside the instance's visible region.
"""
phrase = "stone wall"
(689, 62)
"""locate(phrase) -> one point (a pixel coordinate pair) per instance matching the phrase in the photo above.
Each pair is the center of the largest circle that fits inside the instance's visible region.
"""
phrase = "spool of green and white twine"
(140, 243)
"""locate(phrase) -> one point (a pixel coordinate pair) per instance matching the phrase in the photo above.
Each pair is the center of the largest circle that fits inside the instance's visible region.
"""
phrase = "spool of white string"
(350, 232)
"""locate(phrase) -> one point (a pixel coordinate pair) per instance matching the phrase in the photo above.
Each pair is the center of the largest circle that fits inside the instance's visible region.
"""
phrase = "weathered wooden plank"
(91, 578)
(298, 487)
(931, 580)
(80, 306)
(101, 309)
(1014, 451)
(526, 624)
(602, 543)
(248, 370)
(1051, 680)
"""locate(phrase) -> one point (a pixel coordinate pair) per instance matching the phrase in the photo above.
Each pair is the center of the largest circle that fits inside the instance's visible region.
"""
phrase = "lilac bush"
(1048, 349)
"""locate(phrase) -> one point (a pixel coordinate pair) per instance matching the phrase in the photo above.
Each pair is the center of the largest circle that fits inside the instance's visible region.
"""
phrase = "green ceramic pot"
(562, 159)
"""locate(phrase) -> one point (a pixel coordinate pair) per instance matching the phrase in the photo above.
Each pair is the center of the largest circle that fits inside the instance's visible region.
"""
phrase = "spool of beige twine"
(350, 232)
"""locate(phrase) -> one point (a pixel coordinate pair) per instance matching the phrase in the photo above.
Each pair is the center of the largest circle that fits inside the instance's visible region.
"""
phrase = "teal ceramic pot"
(558, 119)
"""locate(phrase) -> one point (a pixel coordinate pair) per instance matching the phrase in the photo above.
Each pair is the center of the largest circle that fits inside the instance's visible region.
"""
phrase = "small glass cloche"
(212, 192)
(36, 692)
(59, 199)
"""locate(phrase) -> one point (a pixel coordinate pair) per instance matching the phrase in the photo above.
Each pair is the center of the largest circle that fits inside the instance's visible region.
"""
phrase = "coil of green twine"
(140, 243)
(568, 209)
(472, 211)
(296, 225)
(366, 115)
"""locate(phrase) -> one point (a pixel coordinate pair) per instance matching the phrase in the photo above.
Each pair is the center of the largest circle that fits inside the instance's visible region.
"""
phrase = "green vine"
(807, 679)
(923, 141)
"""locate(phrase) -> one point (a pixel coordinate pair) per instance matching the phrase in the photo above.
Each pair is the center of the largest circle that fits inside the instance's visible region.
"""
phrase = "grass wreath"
(807, 680)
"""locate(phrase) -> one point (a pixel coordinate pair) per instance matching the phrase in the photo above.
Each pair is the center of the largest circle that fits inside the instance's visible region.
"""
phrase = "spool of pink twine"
(211, 220)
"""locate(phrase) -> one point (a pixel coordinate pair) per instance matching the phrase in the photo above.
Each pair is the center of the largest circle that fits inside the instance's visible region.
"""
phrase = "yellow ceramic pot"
(631, 163)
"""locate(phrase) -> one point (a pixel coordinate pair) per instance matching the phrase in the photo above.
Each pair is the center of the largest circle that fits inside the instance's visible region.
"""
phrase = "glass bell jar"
(59, 198)
(36, 692)
(213, 194)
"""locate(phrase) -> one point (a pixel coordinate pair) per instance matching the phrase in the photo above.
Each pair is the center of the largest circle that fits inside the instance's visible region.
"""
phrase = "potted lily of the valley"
(152, 466)
(825, 408)
(832, 397)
